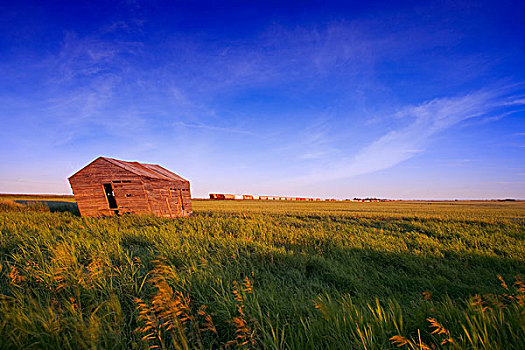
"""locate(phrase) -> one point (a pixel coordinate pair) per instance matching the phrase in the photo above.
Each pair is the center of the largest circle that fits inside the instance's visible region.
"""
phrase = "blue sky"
(330, 99)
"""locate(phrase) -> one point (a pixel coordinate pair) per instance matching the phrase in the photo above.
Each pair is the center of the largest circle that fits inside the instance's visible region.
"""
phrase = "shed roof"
(147, 170)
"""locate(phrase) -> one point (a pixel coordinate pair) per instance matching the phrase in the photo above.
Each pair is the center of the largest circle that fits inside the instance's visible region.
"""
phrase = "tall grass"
(265, 275)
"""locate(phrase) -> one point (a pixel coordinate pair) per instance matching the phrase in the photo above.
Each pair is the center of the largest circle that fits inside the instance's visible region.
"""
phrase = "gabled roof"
(149, 170)
(153, 171)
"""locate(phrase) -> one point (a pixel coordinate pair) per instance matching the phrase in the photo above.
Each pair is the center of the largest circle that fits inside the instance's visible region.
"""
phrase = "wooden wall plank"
(133, 193)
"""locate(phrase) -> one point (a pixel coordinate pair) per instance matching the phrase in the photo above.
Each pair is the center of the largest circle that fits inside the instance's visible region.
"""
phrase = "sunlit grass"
(266, 275)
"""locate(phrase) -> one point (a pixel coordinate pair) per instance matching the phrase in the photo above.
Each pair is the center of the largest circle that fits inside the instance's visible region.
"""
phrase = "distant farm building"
(107, 187)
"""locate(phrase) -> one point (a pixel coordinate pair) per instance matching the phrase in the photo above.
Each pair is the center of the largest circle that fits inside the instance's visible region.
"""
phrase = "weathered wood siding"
(169, 198)
(133, 193)
(88, 188)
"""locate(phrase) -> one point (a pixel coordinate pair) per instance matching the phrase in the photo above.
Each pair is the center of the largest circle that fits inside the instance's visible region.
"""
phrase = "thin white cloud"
(396, 146)
(314, 142)
(211, 127)
(515, 102)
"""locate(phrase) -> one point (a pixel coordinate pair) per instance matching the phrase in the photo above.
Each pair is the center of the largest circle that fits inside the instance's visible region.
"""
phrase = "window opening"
(110, 196)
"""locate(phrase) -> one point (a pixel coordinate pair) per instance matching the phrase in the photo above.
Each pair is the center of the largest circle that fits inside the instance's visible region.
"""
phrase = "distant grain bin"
(107, 187)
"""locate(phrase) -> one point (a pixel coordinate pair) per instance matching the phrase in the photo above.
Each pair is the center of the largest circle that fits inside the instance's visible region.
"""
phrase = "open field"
(280, 275)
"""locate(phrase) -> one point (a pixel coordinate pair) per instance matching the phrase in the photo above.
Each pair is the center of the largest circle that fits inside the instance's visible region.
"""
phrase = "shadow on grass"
(368, 273)
(53, 206)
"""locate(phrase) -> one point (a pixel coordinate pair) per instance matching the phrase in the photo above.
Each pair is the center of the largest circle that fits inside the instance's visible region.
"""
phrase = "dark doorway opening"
(110, 196)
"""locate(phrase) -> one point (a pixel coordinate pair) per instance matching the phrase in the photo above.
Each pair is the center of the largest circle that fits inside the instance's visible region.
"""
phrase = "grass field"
(277, 275)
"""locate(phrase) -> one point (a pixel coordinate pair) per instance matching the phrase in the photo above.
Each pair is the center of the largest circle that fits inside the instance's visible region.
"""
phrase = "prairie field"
(264, 275)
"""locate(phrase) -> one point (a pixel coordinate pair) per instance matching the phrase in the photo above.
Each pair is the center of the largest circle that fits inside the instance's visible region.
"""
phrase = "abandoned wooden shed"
(107, 187)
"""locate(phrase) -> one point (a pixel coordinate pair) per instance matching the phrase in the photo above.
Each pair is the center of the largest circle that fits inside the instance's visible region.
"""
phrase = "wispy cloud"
(314, 141)
(212, 128)
(520, 101)
(92, 76)
(423, 122)
(88, 56)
